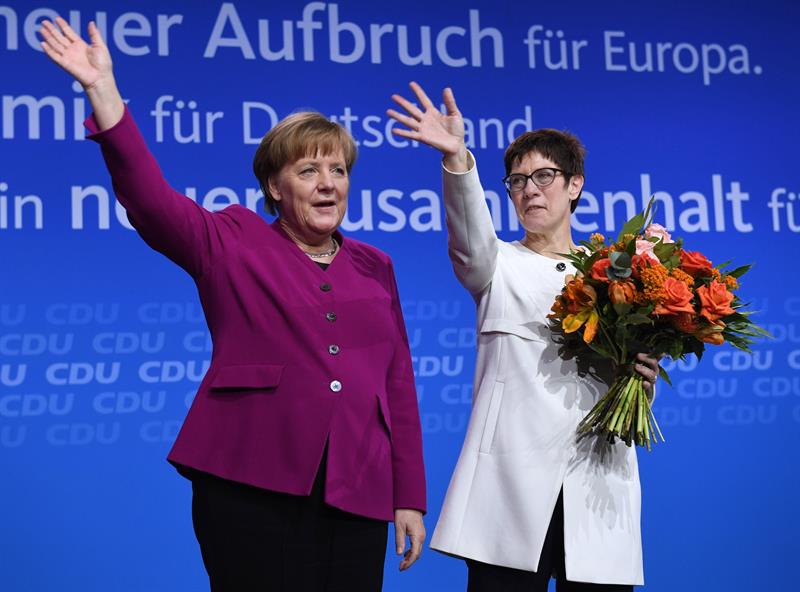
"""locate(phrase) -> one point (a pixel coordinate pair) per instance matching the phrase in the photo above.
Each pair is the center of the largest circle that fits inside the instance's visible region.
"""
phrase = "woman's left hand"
(408, 523)
(646, 366)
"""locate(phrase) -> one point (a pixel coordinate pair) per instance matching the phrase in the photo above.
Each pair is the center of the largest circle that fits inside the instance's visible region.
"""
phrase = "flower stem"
(624, 413)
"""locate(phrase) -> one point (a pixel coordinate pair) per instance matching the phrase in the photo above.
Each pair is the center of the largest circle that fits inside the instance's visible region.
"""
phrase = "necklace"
(333, 249)
(560, 266)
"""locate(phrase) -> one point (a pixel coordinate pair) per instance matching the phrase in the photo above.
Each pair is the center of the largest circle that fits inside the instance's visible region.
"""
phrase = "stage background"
(102, 342)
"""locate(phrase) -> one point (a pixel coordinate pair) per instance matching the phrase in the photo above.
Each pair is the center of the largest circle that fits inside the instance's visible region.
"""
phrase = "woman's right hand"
(442, 131)
(90, 64)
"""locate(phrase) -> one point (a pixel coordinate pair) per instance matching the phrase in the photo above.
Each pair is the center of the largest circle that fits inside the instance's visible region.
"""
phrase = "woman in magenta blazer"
(304, 438)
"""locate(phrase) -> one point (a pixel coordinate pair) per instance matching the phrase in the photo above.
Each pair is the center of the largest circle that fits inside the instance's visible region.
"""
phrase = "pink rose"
(659, 232)
(645, 249)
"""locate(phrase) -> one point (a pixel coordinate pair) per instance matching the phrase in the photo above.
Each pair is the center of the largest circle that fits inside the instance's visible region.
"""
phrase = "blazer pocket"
(492, 415)
(526, 331)
(253, 376)
(383, 410)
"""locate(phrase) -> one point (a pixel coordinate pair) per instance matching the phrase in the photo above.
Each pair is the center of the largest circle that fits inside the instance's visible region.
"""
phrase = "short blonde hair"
(300, 135)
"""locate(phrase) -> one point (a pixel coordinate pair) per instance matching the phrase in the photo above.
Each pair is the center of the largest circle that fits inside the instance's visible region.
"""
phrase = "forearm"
(168, 221)
(460, 161)
(472, 241)
(408, 469)
(107, 103)
(137, 178)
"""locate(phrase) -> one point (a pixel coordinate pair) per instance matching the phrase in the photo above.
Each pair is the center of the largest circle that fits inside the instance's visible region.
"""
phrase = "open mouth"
(325, 204)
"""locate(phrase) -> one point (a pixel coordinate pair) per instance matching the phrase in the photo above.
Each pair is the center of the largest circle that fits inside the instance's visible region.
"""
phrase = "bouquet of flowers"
(645, 293)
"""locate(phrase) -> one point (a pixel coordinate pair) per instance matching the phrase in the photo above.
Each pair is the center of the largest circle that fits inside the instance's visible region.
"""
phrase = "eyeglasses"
(516, 182)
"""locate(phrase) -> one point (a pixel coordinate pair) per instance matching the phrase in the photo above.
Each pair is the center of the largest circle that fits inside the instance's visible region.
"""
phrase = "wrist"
(413, 510)
(103, 89)
(458, 161)
(107, 103)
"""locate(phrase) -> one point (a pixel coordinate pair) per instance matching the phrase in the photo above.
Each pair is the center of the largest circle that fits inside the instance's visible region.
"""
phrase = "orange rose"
(598, 271)
(621, 292)
(715, 301)
(677, 298)
(695, 263)
(684, 322)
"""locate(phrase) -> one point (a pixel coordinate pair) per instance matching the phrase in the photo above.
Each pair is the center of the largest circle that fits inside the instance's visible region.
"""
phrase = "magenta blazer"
(301, 356)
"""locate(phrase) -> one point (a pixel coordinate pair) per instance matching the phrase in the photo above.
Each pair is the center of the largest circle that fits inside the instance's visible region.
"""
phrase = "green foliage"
(636, 319)
(634, 225)
(625, 329)
(664, 251)
(740, 271)
(622, 309)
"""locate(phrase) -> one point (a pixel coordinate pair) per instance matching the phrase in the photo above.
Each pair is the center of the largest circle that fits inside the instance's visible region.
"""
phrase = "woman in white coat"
(528, 498)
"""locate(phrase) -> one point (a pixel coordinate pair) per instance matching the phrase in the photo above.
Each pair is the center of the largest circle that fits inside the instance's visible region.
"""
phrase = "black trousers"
(484, 577)
(253, 540)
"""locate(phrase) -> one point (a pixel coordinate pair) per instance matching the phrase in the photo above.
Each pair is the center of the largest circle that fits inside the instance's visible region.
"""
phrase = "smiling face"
(311, 193)
(544, 210)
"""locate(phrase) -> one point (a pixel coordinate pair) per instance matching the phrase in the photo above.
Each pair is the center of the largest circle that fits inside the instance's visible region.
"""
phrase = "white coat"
(521, 446)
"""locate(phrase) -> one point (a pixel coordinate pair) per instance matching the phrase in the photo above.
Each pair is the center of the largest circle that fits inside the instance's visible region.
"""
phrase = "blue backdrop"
(102, 342)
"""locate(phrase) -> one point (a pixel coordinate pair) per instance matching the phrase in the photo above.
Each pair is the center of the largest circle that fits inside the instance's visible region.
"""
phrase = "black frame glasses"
(532, 177)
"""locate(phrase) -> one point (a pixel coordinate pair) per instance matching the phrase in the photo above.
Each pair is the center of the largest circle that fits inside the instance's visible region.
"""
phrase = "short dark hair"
(562, 147)
(302, 134)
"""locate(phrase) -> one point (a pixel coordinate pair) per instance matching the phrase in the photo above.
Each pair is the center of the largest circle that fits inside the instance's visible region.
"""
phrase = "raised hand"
(442, 131)
(90, 64)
